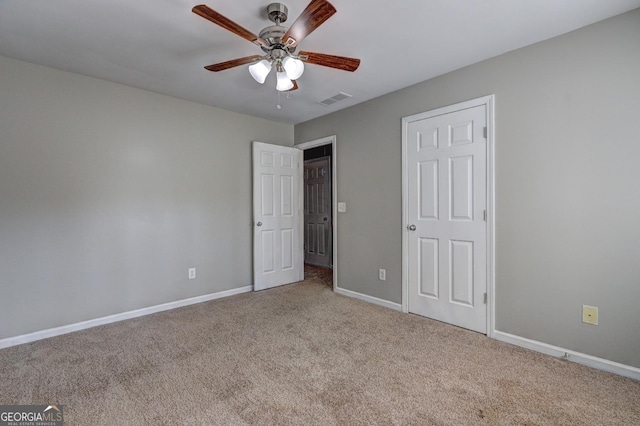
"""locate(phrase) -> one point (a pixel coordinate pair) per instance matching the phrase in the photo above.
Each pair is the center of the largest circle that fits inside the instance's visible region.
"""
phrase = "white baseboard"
(580, 358)
(369, 299)
(57, 331)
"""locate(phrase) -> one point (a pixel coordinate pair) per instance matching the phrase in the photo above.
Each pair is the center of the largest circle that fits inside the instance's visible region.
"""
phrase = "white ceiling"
(161, 46)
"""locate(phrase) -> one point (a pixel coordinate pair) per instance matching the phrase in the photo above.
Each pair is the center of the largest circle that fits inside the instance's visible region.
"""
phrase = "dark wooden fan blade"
(311, 18)
(232, 63)
(227, 24)
(295, 86)
(332, 61)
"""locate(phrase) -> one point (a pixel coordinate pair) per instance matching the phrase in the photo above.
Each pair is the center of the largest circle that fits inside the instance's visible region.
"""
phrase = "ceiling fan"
(279, 44)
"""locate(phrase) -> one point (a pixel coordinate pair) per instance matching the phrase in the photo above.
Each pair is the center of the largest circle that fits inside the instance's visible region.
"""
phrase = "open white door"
(277, 216)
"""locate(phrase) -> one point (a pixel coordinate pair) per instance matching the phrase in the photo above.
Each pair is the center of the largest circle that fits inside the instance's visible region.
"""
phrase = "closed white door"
(277, 211)
(317, 212)
(446, 217)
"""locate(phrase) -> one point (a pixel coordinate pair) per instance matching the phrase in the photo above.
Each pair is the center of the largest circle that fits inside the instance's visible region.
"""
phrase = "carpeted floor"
(301, 354)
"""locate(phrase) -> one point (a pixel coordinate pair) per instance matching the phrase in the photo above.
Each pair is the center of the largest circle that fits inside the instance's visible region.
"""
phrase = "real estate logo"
(31, 415)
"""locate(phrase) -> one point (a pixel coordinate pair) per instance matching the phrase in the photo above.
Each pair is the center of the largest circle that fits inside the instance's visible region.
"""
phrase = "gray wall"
(108, 194)
(567, 185)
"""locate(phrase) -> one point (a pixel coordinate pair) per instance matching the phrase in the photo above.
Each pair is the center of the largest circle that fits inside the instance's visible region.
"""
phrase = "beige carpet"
(300, 354)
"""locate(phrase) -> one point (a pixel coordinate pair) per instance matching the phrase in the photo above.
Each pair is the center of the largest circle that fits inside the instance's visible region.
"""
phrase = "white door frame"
(334, 194)
(489, 102)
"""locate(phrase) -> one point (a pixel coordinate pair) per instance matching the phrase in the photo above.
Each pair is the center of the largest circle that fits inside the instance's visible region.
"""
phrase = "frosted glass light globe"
(284, 83)
(260, 70)
(293, 67)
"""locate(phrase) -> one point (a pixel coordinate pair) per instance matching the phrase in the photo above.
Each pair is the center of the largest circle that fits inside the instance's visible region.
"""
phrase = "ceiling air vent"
(336, 98)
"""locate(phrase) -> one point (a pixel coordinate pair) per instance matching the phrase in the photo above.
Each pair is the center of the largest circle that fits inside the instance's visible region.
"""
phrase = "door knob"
(411, 227)
(259, 224)
(325, 218)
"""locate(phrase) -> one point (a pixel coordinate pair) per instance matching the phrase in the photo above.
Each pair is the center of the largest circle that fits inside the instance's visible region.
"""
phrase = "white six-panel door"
(277, 225)
(445, 212)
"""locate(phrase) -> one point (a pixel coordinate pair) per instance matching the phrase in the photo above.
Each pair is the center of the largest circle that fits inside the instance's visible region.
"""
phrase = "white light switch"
(342, 207)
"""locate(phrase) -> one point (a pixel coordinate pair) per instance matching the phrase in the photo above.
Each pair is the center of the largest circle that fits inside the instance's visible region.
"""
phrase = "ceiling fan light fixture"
(260, 70)
(284, 83)
(279, 44)
(293, 67)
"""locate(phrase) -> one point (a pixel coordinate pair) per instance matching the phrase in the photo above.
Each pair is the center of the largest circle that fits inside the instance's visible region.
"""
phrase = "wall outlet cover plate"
(590, 315)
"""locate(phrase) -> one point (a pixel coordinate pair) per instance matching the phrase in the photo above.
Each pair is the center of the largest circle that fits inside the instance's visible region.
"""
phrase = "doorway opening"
(319, 201)
(318, 214)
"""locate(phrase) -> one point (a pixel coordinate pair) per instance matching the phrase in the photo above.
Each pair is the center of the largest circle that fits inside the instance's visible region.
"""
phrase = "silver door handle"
(411, 227)
(259, 224)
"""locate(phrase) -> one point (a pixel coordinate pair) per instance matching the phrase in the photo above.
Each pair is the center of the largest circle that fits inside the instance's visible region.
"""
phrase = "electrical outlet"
(192, 273)
(382, 274)
(590, 315)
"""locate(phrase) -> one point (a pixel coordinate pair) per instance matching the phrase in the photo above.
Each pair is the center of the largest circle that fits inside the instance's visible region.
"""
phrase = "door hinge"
(485, 133)
(485, 215)
(485, 298)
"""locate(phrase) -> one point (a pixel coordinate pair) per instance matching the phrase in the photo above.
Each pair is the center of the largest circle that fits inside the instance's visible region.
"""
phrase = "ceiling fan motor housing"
(272, 35)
